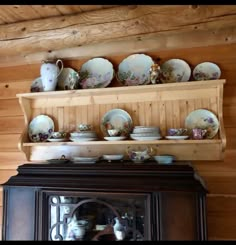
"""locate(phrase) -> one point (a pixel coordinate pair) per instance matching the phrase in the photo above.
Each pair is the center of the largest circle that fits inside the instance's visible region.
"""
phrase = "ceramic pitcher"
(50, 71)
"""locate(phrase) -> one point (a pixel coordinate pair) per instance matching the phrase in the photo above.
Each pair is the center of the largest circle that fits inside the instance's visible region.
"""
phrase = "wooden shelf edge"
(125, 142)
(108, 90)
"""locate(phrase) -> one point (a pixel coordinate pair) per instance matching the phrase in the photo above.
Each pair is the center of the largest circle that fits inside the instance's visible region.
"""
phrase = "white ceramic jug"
(49, 73)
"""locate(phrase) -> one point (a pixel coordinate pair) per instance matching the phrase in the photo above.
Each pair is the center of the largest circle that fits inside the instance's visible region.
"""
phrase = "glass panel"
(98, 217)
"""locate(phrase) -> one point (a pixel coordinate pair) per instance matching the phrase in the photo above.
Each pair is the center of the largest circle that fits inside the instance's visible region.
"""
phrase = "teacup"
(84, 127)
(198, 133)
(113, 132)
(177, 131)
(58, 135)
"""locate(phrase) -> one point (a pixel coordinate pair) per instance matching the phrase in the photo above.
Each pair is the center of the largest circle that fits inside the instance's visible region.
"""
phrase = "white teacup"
(113, 132)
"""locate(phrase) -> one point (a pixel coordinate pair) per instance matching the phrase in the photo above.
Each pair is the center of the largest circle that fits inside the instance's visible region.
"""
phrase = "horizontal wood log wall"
(205, 33)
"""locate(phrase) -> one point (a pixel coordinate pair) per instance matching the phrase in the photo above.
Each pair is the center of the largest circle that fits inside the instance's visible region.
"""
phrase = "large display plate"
(40, 128)
(134, 70)
(117, 119)
(96, 73)
(175, 70)
(203, 119)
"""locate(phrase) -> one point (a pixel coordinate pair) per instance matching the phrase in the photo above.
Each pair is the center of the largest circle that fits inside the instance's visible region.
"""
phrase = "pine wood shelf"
(163, 105)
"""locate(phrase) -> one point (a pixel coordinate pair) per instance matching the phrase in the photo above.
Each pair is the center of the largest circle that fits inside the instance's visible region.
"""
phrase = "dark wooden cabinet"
(152, 202)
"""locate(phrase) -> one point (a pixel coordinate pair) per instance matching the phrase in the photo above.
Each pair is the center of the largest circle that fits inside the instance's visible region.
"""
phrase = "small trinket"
(154, 73)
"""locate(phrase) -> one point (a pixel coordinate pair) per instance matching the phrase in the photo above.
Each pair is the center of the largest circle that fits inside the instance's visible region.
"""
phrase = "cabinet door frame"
(44, 194)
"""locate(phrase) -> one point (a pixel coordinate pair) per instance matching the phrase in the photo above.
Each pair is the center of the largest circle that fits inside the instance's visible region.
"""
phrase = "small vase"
(50, 71)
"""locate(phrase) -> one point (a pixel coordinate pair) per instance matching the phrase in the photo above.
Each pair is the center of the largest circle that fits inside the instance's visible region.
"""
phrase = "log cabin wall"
(192, 33)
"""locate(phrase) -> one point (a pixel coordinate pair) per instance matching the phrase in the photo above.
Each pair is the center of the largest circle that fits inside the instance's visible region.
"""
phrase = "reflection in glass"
(100, 218)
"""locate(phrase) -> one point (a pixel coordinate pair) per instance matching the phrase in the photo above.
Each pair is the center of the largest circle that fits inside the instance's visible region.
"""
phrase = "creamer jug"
(50, 71)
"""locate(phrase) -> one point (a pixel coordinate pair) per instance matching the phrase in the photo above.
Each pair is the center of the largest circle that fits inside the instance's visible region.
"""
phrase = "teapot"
(50, 72)
(139, 156)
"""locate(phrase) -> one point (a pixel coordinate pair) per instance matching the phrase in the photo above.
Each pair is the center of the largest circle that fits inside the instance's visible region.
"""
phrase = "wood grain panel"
(11, 88)
(125, 23)
(5, 175)
(10, 107)
(9, 142)
(11, 124)
(229, 116)
(221, 212)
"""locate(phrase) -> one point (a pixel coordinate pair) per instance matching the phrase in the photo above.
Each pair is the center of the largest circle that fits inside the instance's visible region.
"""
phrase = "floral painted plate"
(203, 119)
(68, 79)
(117, 119)
(96, 73)
(36, 85)
(40, 128)
(206, 71)
(134, 70)
(175, 70)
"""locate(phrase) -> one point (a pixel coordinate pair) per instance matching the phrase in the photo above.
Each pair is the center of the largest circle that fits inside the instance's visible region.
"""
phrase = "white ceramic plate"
(113, 157)
(175, 70)
(176, 137)
(57, 140)
(117, 119)
(96, 73)
(114, 138)
(203, 119)
(36, 85)
(79, 139)
(40, 128)
(90, 134)
(68, 79)
(206, 71)
(134, 70)
(140, 130)
(146, 138)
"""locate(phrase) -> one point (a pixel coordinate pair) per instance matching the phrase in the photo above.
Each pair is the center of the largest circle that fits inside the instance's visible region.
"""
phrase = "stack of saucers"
(145, 133)
(80, 136)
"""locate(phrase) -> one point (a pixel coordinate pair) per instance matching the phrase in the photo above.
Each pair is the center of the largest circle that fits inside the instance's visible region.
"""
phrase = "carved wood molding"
(131, 27)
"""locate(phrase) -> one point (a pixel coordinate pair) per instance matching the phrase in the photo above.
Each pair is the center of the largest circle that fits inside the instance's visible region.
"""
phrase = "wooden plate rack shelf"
(163, 105)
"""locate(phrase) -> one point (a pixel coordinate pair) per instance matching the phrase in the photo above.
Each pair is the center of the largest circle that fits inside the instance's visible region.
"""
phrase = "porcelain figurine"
(154, 73)
(50, 71)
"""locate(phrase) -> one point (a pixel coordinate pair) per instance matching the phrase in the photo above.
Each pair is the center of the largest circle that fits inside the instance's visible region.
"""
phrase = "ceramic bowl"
(164, 159)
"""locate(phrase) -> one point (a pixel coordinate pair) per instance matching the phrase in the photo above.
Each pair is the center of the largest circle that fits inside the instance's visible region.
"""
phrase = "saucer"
(177, 137)
(114, 138)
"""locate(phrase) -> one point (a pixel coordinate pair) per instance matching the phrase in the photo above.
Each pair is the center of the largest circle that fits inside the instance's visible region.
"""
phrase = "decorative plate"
(68, 79)
(117, 119)
(82, 139)
(203, 119)
(206, 71)
(177, 137)
(37, 85)
(96, 73)
(134, 70)
(40, 128)
(175, 70)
